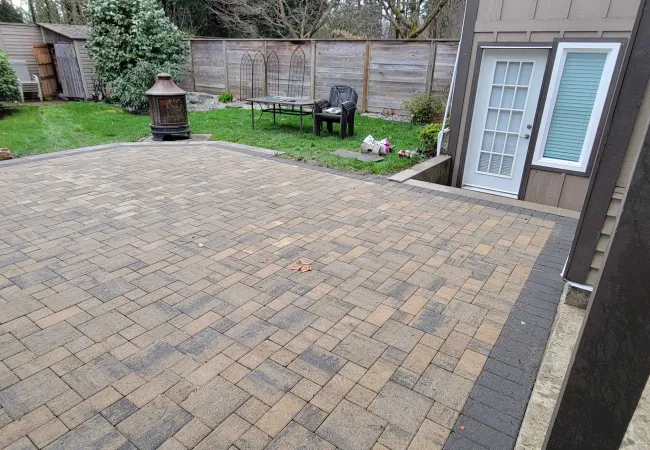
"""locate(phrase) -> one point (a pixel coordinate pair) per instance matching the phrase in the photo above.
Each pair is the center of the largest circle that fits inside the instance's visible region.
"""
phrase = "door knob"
(525, 136)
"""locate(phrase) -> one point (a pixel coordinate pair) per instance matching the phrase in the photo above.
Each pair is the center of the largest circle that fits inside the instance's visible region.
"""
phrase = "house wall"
(542, 21)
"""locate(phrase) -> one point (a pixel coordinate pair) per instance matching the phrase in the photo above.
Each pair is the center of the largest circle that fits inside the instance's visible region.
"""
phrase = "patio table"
(276, 103)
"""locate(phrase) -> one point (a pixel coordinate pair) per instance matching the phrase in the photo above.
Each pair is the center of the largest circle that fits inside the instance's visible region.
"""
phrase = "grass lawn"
(31, 130)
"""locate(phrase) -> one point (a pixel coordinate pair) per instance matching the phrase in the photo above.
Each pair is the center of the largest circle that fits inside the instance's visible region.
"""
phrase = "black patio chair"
(344, 99)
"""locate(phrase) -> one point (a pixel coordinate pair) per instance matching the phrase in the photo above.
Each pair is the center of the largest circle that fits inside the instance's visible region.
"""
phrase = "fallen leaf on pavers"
(300, 267)
(462, 427)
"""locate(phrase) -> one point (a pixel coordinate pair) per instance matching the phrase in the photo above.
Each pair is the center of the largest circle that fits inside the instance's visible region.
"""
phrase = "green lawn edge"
(36, 129)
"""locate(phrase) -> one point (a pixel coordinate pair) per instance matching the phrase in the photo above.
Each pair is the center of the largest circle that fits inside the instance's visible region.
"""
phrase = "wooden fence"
(385, 73)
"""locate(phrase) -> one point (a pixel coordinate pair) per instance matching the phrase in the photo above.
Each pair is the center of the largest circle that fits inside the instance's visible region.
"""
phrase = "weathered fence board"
(396, 70)
(208, 66)
(236, 50)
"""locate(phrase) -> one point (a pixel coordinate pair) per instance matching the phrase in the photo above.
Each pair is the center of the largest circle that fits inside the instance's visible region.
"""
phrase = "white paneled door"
(506, 99)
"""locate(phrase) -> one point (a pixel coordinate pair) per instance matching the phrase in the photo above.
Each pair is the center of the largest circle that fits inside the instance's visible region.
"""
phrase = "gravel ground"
(197, 101)
(392, 117)
(205, 102)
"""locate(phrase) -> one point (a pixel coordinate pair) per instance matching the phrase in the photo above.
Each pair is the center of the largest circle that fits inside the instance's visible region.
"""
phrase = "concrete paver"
(147, 300)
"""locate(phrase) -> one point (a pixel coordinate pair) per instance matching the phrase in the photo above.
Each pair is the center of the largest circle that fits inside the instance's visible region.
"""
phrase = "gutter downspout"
(451, 90)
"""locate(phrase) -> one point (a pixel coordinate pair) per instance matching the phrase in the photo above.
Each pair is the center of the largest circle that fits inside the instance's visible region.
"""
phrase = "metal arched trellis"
(296, 83)
(246, 77)
(260, 83)
(259, 75)
(272, 74)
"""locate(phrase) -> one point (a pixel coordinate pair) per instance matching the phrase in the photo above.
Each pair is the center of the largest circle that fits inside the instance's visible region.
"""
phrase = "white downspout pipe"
(450, 97)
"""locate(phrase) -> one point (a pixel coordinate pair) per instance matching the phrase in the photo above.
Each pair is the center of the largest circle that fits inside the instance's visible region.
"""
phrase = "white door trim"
(505, 103)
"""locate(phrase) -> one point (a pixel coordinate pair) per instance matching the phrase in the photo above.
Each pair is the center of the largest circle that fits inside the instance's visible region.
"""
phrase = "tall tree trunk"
(30, 5)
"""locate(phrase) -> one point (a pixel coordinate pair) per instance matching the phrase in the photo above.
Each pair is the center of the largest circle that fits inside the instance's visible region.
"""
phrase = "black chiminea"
(168, 109)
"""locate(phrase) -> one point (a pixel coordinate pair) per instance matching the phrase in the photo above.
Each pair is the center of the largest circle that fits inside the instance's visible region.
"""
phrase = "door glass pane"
(499, 141)
(513, 73)
(500, 72)
(483, 162)
(504, 119)
(491, 122)
(515, 122)
(520, 98)
(508, 97)
(495, 164)
(511, 144)
(506, 165)
(524, 75)
(488, 138)
(495, 98)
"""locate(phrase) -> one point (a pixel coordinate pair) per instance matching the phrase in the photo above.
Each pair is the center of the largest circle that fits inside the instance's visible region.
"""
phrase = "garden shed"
(56, 53)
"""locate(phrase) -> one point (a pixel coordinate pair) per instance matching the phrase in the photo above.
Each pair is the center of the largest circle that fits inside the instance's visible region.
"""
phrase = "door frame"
(481, 46)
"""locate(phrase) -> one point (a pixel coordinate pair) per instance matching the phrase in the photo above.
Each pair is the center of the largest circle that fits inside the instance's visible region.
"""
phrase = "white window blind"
(574, 105)
(582, 74)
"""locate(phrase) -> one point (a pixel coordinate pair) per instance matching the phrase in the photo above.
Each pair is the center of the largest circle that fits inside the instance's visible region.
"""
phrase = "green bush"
(429, 136)
(131, 41)
(225, 97)
(9, 87)
(425, 108)
(129, 89)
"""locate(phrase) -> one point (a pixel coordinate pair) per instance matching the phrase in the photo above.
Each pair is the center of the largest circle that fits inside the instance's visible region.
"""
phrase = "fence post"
(432, 66)
(366, 72)
(313, 70)
(225, 67)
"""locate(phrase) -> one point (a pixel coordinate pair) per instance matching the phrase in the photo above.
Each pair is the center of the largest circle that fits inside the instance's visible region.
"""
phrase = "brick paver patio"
(147, 301)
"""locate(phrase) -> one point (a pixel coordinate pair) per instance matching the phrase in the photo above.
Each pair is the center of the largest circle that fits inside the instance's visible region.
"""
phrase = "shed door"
(69, 73)
(45, 70)
(507, 94)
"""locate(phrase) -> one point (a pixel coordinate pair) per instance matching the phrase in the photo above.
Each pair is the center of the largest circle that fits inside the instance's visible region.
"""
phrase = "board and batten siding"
(16, 41)
(390, 72)
(518, 21)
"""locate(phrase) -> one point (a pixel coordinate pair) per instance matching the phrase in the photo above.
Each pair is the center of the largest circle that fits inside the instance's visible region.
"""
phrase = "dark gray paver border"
(493, 414)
